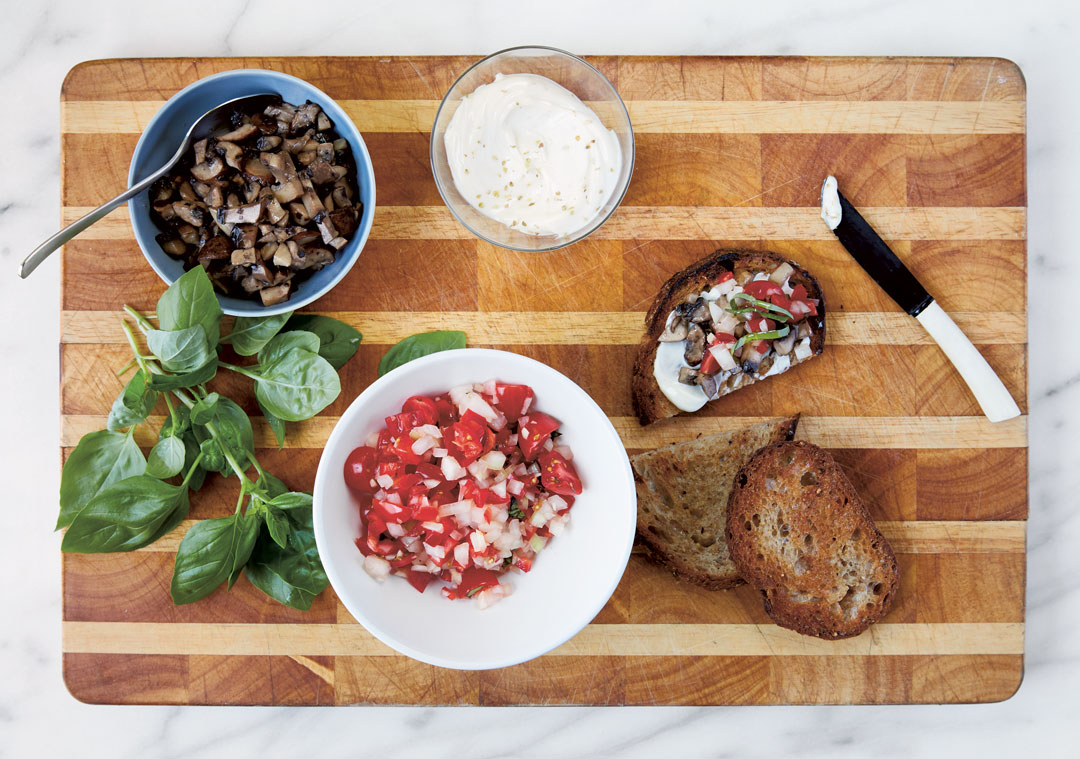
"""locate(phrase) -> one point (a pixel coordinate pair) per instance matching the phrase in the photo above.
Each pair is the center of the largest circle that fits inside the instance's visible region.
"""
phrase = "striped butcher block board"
(730, 152)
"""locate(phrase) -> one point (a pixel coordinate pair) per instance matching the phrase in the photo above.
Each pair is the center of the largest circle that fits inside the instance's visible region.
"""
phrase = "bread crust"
(650, 404)
(799, 533)
(685, 486)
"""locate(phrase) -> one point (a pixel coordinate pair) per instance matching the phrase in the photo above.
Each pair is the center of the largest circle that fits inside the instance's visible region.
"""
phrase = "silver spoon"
(207, 123)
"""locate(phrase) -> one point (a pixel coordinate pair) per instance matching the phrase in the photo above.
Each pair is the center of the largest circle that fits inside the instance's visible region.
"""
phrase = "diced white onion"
(372, 439)
(385, 481)
(802, 350)
(565, 452)
(395, 529)
(548, 445)
(557, 503)
(457, 393)
(425, 429)
(494, 459)
(430, 483)
(451, 469)
(489, 388)
(479, 542)
(499, 489)
(514, 487)
(461, 554)
(558, 524)
(536, 543)
(377, 567)
(439, 452)
(423, 445)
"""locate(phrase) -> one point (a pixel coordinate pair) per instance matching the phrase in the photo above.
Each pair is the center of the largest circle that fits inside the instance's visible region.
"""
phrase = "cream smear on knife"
(528, 153)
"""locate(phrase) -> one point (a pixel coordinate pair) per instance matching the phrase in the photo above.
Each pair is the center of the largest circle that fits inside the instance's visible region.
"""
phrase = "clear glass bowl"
(576, 75)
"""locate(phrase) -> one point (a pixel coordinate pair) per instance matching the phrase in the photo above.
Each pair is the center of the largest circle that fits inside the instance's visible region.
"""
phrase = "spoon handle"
(43, 251)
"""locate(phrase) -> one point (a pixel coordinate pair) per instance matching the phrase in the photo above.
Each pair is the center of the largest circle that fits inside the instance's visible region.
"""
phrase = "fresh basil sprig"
(423, 344)
(756, 304)
(114, 499)
(753, 337)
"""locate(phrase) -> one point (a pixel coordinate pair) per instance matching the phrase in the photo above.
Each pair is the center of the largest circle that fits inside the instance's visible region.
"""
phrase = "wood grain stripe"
(826, 431)
(591, 327)
(906, 537)
(680, 223)
(647, 116)
(945, 639)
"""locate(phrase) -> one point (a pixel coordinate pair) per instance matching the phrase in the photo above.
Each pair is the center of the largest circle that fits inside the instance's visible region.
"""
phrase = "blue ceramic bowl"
(163, 135)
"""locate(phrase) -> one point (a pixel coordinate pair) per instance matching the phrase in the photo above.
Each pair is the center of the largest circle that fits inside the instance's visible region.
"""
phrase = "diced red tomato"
(400, 424)
(760, 324)
(762, 289)
(423, 409)
(709, 364)
(798, 292)
(559, 475)
(418, 580)
(725, 277)
(475, 579)
(390, 467)
(360, 470)
(429, 471)
(447, 412)
(533, 431)
(466, 439)
(725, 337)
(513, 400)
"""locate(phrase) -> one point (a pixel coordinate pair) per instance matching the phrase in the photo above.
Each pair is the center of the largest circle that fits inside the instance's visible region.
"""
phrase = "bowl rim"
(363, 229)
(336, 440)
(570, 239)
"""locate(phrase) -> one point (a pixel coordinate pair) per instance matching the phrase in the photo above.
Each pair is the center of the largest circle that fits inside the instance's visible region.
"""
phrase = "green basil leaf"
(124, 516)
(294, 575)
(209, 553)
(277, 426)
(183, 350)
(121, 416)
(292, 501)
(249, 334)
(284, 343)
(296, 385)
(278, 525)
(166, 459)
(338, 341)
(205, 409)
(134, 395)
(235, 427)
(213, 458)
(270, 485)
(199, 376)
(100, 459)
(190, 300)
(415, 346)
(176, 423)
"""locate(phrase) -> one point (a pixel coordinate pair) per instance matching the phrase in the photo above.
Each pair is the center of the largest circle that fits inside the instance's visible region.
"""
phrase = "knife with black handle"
(873, 255)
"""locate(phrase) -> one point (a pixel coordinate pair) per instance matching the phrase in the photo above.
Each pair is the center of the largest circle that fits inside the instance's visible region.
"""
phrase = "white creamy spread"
(529, 154)
(666, 365)
(830, 203)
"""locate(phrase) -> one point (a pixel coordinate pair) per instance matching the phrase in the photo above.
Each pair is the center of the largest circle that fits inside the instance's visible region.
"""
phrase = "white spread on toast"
(830, 203)
(528, 153)
(744, 327)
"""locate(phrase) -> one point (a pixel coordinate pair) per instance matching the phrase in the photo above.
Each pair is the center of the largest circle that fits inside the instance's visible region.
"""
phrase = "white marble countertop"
(43, 40)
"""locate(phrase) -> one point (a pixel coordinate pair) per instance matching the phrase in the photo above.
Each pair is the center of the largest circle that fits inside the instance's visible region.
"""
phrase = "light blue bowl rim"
(365, 180)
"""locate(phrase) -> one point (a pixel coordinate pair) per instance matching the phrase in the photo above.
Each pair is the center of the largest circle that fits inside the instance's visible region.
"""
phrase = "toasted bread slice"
(650, 403)
(799, 533)
(683, 492)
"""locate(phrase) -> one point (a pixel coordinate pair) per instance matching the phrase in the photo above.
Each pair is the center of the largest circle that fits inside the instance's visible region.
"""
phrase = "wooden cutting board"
(730, 151)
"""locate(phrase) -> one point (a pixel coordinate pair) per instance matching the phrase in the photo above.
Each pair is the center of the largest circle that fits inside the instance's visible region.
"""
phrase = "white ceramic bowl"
(571, 579)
